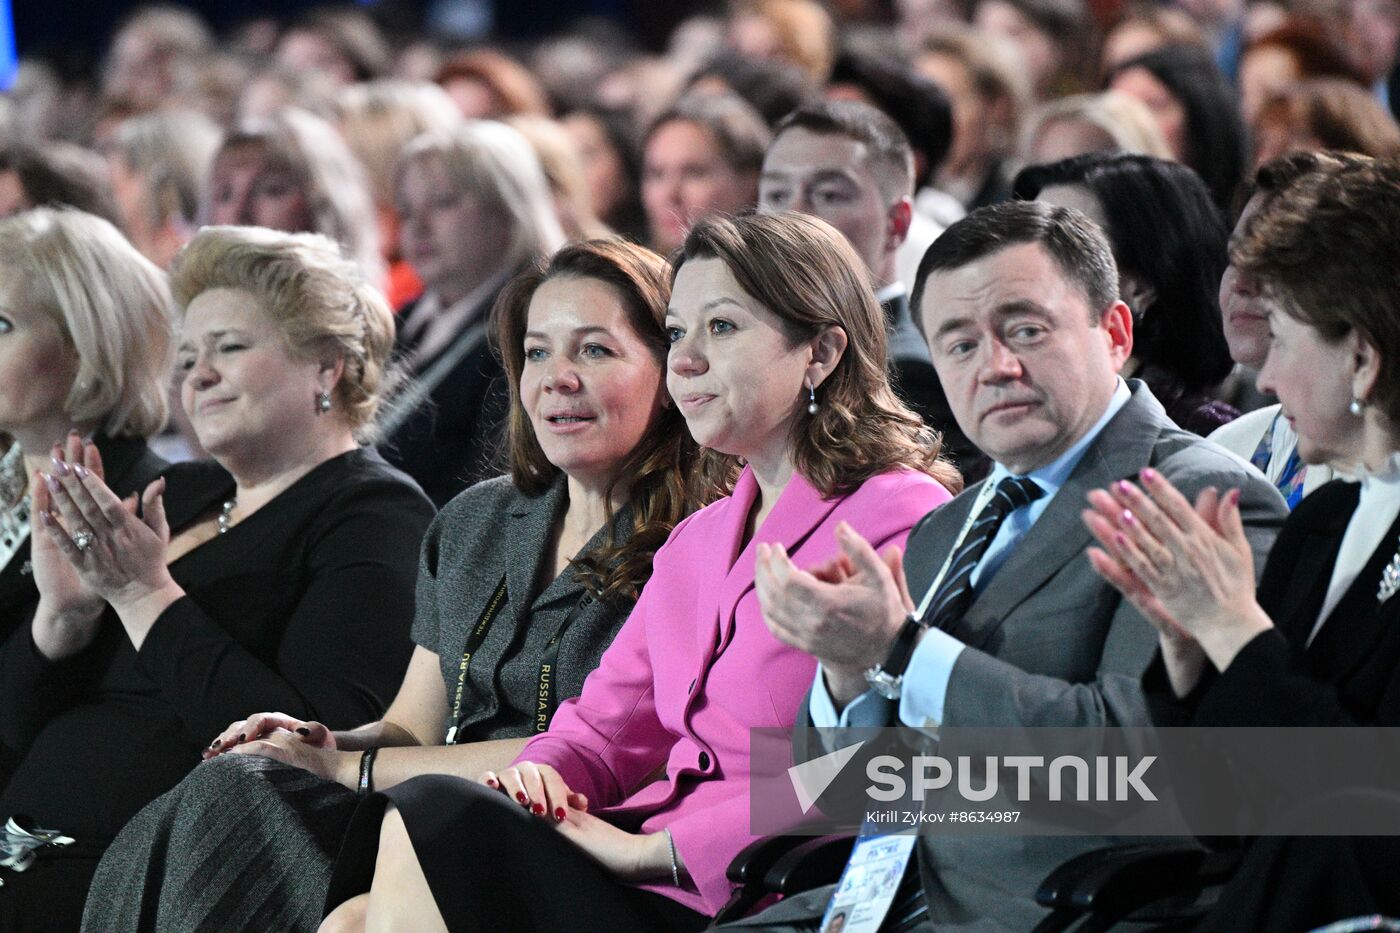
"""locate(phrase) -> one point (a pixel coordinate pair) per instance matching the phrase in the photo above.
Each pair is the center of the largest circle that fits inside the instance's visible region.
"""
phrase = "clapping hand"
(846, 612)
(115, 554)
(1187, 568)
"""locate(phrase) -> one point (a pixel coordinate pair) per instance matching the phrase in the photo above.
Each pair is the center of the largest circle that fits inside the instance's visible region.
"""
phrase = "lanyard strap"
(547, 696)
(474, 640)
(984, 495)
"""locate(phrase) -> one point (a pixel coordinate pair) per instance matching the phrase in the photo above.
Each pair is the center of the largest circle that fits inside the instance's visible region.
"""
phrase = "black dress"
(129, 466)
(304, 606)
(1348, 676)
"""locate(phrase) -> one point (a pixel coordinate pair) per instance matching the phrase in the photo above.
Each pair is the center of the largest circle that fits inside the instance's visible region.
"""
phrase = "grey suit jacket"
(490, 531)
(1049, 643)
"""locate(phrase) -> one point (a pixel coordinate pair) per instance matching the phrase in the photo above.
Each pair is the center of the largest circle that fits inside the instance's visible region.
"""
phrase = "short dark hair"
(889, 154)
(1166, 232)
(916, 104)
(1328, 247)
(56, 174)
(1074, 242)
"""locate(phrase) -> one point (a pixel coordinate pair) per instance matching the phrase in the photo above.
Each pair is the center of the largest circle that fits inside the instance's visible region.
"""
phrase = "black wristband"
(367, 770)
(903, 648)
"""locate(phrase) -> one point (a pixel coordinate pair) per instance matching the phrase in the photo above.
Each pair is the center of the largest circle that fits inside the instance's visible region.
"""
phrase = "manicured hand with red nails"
(261, 725)
(539, 789)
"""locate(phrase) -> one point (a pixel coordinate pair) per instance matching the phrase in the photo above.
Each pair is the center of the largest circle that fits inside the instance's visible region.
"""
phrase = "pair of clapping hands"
(1186, 567)
(91, 548)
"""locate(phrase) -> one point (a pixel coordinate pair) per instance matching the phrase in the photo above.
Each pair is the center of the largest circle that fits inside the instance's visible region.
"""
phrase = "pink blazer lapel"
(799, 511)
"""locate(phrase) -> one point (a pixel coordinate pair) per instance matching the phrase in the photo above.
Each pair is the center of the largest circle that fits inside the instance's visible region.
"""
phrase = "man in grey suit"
(1002, 621)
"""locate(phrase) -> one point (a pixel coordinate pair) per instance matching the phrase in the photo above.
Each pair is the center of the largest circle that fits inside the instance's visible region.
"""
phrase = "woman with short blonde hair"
(475, 209)
(278, 575)
(1109, 121)
(85, 346)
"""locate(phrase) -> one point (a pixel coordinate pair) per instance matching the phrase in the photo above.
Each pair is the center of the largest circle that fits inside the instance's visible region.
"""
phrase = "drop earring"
(811, 398)
(323, 403)
(1355, 407)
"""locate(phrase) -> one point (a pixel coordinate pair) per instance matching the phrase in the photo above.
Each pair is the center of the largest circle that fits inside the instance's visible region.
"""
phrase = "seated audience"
(55, 174)
(1170, 248)
(850, 165)
(293, 172)
(1265, 436)
(474, 209)
(1318, 644)
(1144, 27)
(339, 43)
(1298, 50)
(377, 120)
(777, 350)
(85, 345)
(989, 96)
(798, 32)
(158, 164)
(150, 53)
(1008, 627)
(569, 535)
(563, 168)
(1109, 121)
(279, 576)
(1195, 108)
(1327, 113)
(486, 85)
(772, 86)
(612, 167)
(701, 157)
(1051, 39)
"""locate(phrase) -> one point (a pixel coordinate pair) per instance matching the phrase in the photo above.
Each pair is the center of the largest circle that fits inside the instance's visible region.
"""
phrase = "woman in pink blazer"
(625, 813)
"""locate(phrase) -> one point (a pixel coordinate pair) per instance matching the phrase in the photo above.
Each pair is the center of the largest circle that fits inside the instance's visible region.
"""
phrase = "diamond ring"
(82, 540)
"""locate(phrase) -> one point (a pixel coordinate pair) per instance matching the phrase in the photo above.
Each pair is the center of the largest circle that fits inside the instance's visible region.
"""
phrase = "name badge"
(868, 884)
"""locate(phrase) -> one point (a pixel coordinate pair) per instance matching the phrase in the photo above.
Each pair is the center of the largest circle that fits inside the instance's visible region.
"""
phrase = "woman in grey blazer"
(523, 582)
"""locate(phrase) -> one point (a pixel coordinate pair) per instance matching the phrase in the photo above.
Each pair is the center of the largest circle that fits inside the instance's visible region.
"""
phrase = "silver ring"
(83, 540)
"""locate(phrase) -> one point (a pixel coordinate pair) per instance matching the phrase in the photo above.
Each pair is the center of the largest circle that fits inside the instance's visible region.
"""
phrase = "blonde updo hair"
(112, 306)
(318, 299)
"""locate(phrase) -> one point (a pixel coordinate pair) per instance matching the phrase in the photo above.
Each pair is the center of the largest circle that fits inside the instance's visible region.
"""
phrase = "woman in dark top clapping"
(524, 581)
(280, 575)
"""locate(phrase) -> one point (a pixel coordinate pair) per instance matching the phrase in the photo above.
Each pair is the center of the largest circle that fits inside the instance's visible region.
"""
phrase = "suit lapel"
(530, 523)
(799, 510)
(1059, 535)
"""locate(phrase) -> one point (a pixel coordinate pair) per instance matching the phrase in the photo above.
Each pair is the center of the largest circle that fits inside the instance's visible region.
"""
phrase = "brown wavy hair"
(665, 475)
(804, 271)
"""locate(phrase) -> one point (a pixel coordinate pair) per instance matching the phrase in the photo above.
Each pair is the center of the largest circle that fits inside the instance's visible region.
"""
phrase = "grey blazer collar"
(532, 520)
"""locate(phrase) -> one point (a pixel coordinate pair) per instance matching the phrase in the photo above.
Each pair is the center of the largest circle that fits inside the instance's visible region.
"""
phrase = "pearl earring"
(811, 398)
(323, 403)
(1355, 407)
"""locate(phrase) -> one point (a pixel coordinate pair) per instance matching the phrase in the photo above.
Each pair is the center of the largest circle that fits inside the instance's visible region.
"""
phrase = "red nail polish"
(537, 809)
(520, 795)
(559, 815)
(492, 783)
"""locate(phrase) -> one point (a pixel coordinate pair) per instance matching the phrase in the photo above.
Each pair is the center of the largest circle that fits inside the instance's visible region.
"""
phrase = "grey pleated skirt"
(243, 843)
